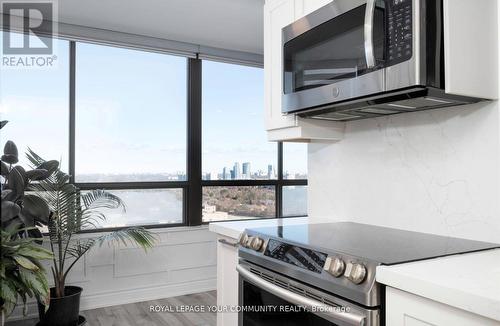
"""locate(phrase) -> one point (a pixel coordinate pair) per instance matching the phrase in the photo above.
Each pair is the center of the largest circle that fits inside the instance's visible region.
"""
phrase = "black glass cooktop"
(383, 245)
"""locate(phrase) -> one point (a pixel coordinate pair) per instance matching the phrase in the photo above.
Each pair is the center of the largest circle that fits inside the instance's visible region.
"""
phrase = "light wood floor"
(138, 314)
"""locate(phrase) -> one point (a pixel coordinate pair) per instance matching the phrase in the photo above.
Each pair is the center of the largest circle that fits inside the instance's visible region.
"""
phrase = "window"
(130, 131)
(180, 140)
(241, 175)
(235, 145)
(130, 110)
(35, 102)
(294, 161)
(146, 207)
(294, 201)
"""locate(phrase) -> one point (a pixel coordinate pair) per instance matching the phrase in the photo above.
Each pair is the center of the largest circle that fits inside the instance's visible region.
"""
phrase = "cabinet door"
(277, 14)
(471, 36)
(227, 280)
(406, 309)
(305, 7)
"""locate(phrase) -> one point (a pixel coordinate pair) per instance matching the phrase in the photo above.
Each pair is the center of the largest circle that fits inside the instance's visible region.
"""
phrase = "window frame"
(192, 188)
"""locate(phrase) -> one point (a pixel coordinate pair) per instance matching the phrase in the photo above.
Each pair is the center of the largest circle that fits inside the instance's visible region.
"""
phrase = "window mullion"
(279, 186)
(195, 191)
(72, 112)
(280, 161)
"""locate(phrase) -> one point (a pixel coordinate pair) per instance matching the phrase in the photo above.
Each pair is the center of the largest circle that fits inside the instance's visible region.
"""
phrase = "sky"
(35, 101)
(131, 113)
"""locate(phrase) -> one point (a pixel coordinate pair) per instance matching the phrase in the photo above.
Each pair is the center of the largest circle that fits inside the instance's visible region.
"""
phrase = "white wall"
(183, 261)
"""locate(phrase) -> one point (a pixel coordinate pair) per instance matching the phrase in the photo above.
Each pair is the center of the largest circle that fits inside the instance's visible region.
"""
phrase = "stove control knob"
(256, 243)
(248, 242)
(356, 273)
(243, 239)
(334, 266)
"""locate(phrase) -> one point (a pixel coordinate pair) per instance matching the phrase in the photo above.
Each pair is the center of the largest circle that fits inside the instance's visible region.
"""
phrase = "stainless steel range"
(324, 274)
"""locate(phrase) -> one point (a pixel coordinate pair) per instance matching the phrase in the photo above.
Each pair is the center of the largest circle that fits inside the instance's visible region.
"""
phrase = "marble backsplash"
(435, 171)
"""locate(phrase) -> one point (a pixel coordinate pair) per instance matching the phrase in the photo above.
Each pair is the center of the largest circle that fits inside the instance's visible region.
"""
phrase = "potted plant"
(21, 273)
(70, 212)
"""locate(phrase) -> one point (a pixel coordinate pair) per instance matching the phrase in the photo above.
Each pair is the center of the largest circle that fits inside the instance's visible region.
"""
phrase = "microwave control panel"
(399, 31)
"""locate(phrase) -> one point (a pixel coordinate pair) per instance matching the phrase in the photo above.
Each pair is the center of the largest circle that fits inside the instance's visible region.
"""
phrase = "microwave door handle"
(299, 300)
(369, 17)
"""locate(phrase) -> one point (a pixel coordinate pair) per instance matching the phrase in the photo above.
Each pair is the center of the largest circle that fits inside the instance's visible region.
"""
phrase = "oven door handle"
(318, 307)
(369, 48)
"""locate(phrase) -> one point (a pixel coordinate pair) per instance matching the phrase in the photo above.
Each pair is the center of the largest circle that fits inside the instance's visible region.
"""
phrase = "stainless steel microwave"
(356, 59)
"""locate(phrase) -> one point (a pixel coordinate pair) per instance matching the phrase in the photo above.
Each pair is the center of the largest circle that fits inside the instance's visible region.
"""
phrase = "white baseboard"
(114, 298)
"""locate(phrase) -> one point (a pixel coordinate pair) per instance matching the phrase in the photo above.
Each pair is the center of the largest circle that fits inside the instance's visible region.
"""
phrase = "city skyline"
(241, 174)
(223, 174)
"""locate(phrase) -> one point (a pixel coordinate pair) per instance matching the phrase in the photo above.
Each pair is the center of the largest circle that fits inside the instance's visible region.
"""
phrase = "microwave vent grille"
(384, 109)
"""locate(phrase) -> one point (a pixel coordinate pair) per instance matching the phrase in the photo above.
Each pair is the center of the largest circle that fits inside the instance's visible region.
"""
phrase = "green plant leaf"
(11, 159)
(6, 193)
(5, 169)
(27, 219)
(98, 199)
(35, 281)
(8, 294)
(16, 181)
(12, 226)
(135, 235)
(50, 166)
(25, 262)
(10, 148)
(35, 252)
(79, 248)
(9, 210)
(36, 207)
(37, 174)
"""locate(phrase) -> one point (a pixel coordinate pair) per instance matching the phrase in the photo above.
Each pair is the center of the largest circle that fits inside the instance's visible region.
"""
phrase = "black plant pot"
(62, 311)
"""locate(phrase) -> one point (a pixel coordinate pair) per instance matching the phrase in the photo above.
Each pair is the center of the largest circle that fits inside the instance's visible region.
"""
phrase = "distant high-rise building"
(211, 176)
(270, 171)
(246, 170)
(226, 174)
(237, 171)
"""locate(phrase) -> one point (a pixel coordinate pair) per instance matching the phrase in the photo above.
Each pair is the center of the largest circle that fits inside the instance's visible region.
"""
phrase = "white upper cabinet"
(280, 127)
(471, 37)
(277, 14)
(305, 7)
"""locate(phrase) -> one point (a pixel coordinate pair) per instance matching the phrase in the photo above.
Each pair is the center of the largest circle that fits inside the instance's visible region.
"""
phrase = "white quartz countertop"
(233, 229)
(469, 282)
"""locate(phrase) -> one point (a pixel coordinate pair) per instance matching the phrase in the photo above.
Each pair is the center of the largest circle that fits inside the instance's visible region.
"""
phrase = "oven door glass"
(290, 315)
(333, 51)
